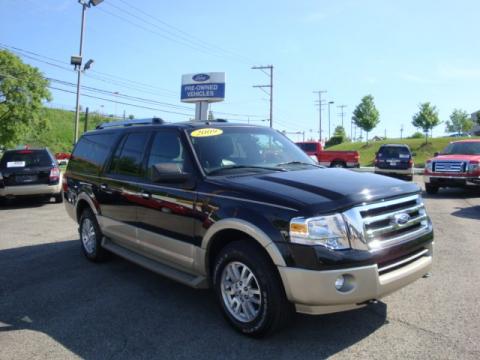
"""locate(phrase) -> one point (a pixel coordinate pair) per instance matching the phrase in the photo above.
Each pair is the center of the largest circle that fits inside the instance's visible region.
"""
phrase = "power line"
(186, 35)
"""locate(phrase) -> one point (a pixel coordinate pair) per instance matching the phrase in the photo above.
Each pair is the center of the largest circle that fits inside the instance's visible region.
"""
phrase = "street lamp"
(329, 103)
(76, 61)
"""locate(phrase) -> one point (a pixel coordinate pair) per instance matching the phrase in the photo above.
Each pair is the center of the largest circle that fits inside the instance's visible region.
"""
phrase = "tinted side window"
(129, 155)
(91, 152)
(167, 148)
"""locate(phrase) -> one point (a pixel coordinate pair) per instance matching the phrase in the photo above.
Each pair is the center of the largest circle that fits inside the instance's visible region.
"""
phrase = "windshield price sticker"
(12, 164)
(206, 132)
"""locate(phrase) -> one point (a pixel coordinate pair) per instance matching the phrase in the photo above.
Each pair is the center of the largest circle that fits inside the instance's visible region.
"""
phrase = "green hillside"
(58, 135)
(423, 151)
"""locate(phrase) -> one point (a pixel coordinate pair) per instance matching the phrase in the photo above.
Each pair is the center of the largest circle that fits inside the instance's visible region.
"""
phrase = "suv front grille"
(449, 166)
(379, 225)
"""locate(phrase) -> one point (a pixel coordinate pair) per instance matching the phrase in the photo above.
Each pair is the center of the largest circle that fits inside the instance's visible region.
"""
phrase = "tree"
(366, 115)
(459, 122)
(131, 117)
(426, 118)
(416, 135)
(339, 136)
(22, 91)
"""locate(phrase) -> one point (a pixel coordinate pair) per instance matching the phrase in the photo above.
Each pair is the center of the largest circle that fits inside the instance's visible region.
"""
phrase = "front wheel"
(431, 189)
(249, 290)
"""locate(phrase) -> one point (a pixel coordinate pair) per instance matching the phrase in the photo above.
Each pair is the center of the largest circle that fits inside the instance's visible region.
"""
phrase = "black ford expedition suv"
(243, 210)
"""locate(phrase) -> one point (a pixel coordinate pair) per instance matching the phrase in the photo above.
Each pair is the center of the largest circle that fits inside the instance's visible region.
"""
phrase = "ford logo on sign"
(200, 77)
(401, 219)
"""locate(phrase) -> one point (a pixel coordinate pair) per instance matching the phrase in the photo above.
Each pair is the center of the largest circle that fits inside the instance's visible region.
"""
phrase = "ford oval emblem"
(200, 77)
(401, 219)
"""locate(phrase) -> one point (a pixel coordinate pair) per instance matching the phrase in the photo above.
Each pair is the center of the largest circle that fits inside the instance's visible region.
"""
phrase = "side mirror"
(414, 154)
(169, 173)
(435, 154)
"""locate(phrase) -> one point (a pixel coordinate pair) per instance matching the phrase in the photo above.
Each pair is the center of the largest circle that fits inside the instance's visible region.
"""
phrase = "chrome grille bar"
(394, 221)
(448, 166)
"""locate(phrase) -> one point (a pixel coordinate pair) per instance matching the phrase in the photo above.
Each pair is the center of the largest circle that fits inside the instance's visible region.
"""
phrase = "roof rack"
(131, 122)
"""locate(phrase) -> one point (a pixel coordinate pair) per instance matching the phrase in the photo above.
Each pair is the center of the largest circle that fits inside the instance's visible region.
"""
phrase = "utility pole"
(329, 103)
(320, 92)
(385, 134)
(401, 132)
(85, 125)
(342, 113)
(77, 62)
(270, 74)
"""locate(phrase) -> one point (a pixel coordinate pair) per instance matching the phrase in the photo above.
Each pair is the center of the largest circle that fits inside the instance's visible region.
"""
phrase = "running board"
(197, 282)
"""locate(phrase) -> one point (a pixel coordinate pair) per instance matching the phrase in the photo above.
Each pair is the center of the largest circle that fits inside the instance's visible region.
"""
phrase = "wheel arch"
(84, 202)
(226, 231)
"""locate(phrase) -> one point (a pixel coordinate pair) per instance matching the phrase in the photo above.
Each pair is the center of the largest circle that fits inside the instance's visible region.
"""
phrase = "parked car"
(394, 159)
(456, 166)
(62, 158)
(30, 172)
(350, 159)
(243, 210)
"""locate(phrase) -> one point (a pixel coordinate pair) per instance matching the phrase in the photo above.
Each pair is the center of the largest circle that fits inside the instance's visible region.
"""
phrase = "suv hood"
(316, 191)
(457, 157)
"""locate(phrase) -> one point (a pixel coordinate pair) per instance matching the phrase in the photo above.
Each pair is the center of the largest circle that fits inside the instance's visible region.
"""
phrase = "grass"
(58, 135)
(423, 151)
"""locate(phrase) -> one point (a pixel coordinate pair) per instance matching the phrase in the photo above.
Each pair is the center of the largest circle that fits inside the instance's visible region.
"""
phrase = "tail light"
(410, 163)
(54, 174)
(65, 184)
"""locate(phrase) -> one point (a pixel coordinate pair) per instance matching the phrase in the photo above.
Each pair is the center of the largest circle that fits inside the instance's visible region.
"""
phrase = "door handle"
(103, 186)
(146, 195)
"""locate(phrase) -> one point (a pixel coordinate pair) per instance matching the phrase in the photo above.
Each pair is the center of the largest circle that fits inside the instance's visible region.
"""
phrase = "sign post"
(203, 89)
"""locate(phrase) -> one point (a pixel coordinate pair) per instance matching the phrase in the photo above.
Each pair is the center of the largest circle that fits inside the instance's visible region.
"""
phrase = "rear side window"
(128, 158)
(308, 147)
(397, 152)
(91, 152)
(26, 158)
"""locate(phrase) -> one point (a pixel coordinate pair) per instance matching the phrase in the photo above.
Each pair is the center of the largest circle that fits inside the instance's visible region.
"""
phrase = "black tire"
(58, 198)
(338, 164)
(274, 311)
(96, 253)
(431, 189)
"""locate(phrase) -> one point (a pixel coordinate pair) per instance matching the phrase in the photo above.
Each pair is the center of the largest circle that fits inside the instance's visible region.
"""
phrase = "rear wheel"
(338, 164)
(58, 198)
(431, 189)
(91, 237)
(250, 291)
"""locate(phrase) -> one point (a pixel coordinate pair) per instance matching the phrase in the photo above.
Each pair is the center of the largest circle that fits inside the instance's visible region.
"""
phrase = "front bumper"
(314, 292)
(31, 190)
(451, 181)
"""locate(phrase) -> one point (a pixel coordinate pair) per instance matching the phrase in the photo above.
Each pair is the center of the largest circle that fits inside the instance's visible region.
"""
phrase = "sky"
(401, 52)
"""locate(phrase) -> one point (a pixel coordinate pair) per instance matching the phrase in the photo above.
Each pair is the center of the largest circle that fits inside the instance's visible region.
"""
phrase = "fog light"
(340, 282)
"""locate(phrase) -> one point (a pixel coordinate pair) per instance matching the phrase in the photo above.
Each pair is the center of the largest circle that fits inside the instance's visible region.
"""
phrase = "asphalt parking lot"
(54, 304)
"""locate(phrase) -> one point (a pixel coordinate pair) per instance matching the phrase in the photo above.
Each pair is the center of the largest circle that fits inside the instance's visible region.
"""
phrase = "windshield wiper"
(299, 163)
(232, 167)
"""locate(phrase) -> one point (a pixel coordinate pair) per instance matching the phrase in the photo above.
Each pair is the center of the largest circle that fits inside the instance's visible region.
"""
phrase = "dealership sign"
(209, 87)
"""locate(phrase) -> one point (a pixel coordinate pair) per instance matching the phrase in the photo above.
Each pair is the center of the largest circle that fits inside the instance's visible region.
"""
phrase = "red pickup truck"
(330, 158)
(457, 166)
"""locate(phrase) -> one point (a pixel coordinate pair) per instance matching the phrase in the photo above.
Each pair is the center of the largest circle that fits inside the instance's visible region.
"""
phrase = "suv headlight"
(429, 166)
(329, 231)
(473, 166)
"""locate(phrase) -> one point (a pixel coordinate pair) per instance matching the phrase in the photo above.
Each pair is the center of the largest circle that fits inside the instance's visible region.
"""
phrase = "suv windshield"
(398, 152)
(246, 149)
(25, 158)
(463, 148)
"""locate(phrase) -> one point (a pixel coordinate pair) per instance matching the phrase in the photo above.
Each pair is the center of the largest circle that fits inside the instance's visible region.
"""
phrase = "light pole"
(329, 103)
(77, 62)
